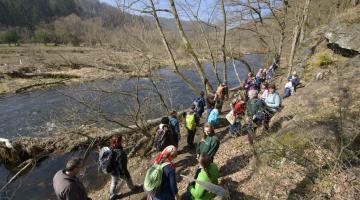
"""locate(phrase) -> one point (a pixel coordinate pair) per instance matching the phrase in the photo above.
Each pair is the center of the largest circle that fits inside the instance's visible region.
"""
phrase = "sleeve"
(72, 192)
(172, 181)
(276, 102)
(197, 191)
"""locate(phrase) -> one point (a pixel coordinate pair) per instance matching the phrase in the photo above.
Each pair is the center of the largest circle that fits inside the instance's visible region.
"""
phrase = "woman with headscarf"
(168, 189)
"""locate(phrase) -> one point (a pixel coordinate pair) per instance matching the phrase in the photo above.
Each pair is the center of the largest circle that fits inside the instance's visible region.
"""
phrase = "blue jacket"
(174, 124)
(168, 187)
(273, 101)
(213, 117)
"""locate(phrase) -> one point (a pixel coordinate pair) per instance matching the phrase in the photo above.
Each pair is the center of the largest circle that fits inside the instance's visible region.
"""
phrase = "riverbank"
(30, 66)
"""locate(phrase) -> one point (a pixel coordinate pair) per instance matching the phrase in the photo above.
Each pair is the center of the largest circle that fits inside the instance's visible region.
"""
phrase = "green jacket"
(210, 146)
(199, 193)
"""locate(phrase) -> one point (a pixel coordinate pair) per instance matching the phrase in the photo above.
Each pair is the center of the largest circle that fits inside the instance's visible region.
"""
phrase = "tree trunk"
(303, 25)
(296, 35)
(223, 46)
(171, 55)
(189, 49)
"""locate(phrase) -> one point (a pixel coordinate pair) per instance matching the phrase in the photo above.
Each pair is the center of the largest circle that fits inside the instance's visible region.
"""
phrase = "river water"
(45, 112)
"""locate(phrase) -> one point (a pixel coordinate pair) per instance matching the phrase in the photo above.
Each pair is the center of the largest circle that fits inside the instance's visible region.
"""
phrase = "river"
(48, 111)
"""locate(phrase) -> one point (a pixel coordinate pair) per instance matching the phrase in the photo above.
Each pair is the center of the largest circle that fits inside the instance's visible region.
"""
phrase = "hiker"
(237, 110)
(167, 189)
(209, 143)
(273, 103)
(264, 91)
(259, 78)
(210, 104)
(250, 82)
(295, 79)
(208, 172)
(273, 100)
(225, 90)
(191, 121)
(272, 69)
(174, 125)
(66, 185)
(199, 103)
(219, 97)
(255, 113)
(164, 136)
(119, 170)
(214, 115)
(289, 89)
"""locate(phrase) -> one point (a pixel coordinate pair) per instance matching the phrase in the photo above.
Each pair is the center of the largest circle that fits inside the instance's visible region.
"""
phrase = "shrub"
(322, 59)
(10, 37)
(42, 37)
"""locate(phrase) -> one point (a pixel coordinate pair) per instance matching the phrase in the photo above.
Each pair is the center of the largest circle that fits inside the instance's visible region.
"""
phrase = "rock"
(344, 38)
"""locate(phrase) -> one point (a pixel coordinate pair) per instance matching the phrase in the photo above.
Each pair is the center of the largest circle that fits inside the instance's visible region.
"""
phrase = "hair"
(202, 93)
(205, 161)
(115, 141)
(266, 85)
(173, 112)
(73, 163)
(207, 125)
(272, 86)
(165, 120)
(192, 106)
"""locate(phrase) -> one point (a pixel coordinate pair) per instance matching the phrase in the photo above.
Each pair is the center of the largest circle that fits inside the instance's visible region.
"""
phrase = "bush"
(10, 37)
(42, 37)
(322, 59)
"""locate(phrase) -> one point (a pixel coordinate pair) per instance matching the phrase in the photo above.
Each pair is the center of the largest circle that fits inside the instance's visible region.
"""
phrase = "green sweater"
(199, 193)
(210, 146)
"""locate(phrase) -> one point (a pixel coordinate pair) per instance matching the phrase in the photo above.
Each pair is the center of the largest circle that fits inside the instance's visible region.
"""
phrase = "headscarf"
(165, 155)
(252, 94)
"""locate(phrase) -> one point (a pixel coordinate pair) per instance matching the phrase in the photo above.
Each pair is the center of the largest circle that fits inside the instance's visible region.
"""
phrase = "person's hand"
(254, 117)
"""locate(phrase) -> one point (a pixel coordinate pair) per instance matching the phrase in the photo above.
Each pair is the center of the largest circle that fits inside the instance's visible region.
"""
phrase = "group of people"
(255, 105)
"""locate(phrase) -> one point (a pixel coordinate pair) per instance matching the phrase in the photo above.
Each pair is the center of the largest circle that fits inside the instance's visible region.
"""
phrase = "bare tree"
(166, 44)
(296, 34)
(223, 46)
(189, 49)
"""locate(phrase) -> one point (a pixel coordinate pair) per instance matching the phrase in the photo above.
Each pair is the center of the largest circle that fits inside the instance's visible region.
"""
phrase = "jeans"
(190, 137)
(235, 128)
(287, 92)
(114, 183)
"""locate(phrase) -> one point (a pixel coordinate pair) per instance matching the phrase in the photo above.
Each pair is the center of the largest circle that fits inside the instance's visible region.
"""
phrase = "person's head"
(250, 74)
(173, 113)
(165, 120)
(252, 94)
(205, 160)
(294, 73)
(272, 88)
(224, 83)
(202, 93)
(218, 106)
(115, 141)
(74, 165)
(168, 154)
(208, 130)
(192, 107)
(264, 86)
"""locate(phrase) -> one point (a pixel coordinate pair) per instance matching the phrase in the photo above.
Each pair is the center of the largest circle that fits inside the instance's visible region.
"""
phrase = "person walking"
(66, 185)
(175, 129)
(208, 172)
(119, 170)
(199, 103)
(164, 136)
(191, 122)
(168, 188)
(209, 143)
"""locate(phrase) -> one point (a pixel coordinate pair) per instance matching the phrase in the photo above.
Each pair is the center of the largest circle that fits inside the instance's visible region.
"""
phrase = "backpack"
(260, 111)
(199, 104)
(105, 160)
(160, 139)
(153, 177)
(190, 122)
